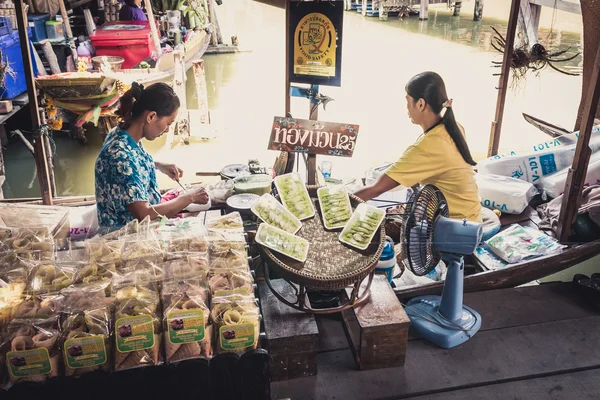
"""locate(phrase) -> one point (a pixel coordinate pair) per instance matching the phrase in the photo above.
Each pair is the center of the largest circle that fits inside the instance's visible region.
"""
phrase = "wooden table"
(536, 342)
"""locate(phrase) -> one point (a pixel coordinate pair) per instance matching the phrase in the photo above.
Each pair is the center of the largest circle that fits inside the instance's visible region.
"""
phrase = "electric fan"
(428, 235)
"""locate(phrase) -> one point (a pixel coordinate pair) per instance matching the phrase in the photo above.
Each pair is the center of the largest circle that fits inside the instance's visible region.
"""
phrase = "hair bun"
(137, 89)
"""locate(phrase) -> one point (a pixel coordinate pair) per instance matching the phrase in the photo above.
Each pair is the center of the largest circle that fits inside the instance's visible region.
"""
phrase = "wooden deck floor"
(536, 342)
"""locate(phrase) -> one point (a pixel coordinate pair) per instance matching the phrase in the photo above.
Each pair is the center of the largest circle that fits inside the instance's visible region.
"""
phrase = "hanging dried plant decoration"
(525, 60)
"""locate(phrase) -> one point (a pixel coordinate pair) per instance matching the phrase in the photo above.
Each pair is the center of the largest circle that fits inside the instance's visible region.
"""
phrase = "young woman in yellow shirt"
(440, 156)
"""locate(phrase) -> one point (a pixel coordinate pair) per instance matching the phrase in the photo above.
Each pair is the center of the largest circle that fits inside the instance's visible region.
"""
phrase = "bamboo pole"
(212, 18)
(153, 30)
(504, 75)
(576, 177)
(290, 158)
(39, 145)
(70, 38)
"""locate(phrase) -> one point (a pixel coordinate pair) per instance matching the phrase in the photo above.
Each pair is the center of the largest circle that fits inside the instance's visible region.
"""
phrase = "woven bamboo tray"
(63, 86)
(330, 265)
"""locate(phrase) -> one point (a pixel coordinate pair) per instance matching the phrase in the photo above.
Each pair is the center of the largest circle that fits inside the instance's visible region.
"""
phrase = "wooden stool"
(291, 335)
(378, 329)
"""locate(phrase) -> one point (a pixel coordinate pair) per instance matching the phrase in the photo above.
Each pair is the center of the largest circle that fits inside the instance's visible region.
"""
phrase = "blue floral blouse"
(125, 174)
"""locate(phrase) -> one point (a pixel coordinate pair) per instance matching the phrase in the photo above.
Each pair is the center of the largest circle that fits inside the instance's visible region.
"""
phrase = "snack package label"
(134, 333)
(85, 352)
(26, 363)
(186, 326)
(235, 337)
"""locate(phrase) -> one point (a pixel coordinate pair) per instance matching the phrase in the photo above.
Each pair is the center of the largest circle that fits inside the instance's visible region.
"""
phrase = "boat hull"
(515, 275)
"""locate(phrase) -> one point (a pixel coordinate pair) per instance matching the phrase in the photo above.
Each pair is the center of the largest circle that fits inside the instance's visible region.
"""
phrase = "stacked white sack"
(563, 140)
(506, 194)
(532, 167)
(554, 185)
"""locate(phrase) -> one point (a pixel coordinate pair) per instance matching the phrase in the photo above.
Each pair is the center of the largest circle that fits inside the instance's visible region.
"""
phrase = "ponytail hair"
(159, 97)
(430, 87)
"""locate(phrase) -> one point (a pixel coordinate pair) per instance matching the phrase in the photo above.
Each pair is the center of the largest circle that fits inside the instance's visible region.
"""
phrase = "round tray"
(330, 264)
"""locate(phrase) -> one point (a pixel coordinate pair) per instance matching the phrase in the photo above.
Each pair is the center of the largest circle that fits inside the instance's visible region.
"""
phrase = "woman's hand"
(171, 170)
(198, 195)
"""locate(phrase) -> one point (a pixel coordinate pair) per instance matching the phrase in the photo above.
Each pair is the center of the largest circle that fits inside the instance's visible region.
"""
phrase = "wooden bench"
(291, 335)
(378, 329)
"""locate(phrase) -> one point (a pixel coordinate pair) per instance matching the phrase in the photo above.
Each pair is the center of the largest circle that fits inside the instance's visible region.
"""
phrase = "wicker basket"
(330, 264)
(67, 86)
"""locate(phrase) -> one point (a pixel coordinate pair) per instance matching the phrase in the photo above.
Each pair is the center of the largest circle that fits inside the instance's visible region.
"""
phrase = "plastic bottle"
(387, 260)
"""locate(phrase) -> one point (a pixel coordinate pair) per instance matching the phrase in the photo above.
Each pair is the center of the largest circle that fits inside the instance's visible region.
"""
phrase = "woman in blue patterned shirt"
(126, 187)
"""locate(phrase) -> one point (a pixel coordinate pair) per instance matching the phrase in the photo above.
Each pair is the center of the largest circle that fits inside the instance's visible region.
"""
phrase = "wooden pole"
(529, 21)
(504, 75)
(424, 10)
(212, 18)
(153, 30)
(38, 144)
(457, 7)
(576, 178)
(478, 11)
(311, 162)
(70, 38)
(287, 58)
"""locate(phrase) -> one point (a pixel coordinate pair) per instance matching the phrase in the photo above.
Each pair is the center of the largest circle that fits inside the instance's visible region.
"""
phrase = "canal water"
(245, 92)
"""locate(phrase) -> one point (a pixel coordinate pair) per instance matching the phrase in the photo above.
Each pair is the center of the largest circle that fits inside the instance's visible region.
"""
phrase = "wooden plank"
(576, 177)
(489, 357)
(291, 335)
(568, 6)
(549, 302)
(529, 20)
(378, 329)
(504, 75)
(576, 385)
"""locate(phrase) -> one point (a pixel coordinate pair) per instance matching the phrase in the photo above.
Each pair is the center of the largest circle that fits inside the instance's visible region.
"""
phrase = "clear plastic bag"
(228, 251)
(187, 333)
(29, 244)
(517, 243)
(39, 306)
(31, 349)
(137, 322)
(229, 222)
(236, 320)
(51, 278)
(222, 282)
(141, 247)
(86, 331)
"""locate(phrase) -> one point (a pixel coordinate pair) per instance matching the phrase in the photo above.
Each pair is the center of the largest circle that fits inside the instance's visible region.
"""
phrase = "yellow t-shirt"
(434, 159)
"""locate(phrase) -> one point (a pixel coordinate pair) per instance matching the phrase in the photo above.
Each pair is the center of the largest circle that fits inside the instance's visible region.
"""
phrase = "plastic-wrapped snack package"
(86, 330)
(104, 252)
(14, 272)
(39, 306)
(92, 273)
(131, 228)
(228, 251)
(187, 333)
(229, 222)
(31, 349)
(141, 247)
(30, 244)
(223, 282)
(194, 266)
(137, 322)
(51, 277)
(236, 320)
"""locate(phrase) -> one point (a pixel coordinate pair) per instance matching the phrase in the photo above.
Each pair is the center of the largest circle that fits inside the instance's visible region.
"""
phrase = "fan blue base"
(422, 310)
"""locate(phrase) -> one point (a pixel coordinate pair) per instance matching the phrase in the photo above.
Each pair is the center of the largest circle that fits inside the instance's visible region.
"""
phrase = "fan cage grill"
(417, 224)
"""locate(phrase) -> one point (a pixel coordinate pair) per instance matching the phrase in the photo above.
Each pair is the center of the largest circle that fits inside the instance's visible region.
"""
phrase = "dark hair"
(158, 97)
(430, 87)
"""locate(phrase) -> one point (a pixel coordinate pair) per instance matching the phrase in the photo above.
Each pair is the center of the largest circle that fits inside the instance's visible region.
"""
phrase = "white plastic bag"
(517, 243)
(554, 185)
(84, 222)
(508, 195)
(531, 167)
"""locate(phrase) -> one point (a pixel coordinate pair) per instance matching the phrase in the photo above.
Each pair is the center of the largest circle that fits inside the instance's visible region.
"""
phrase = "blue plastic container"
(11, 52)
(387, 260)
(37, 23)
